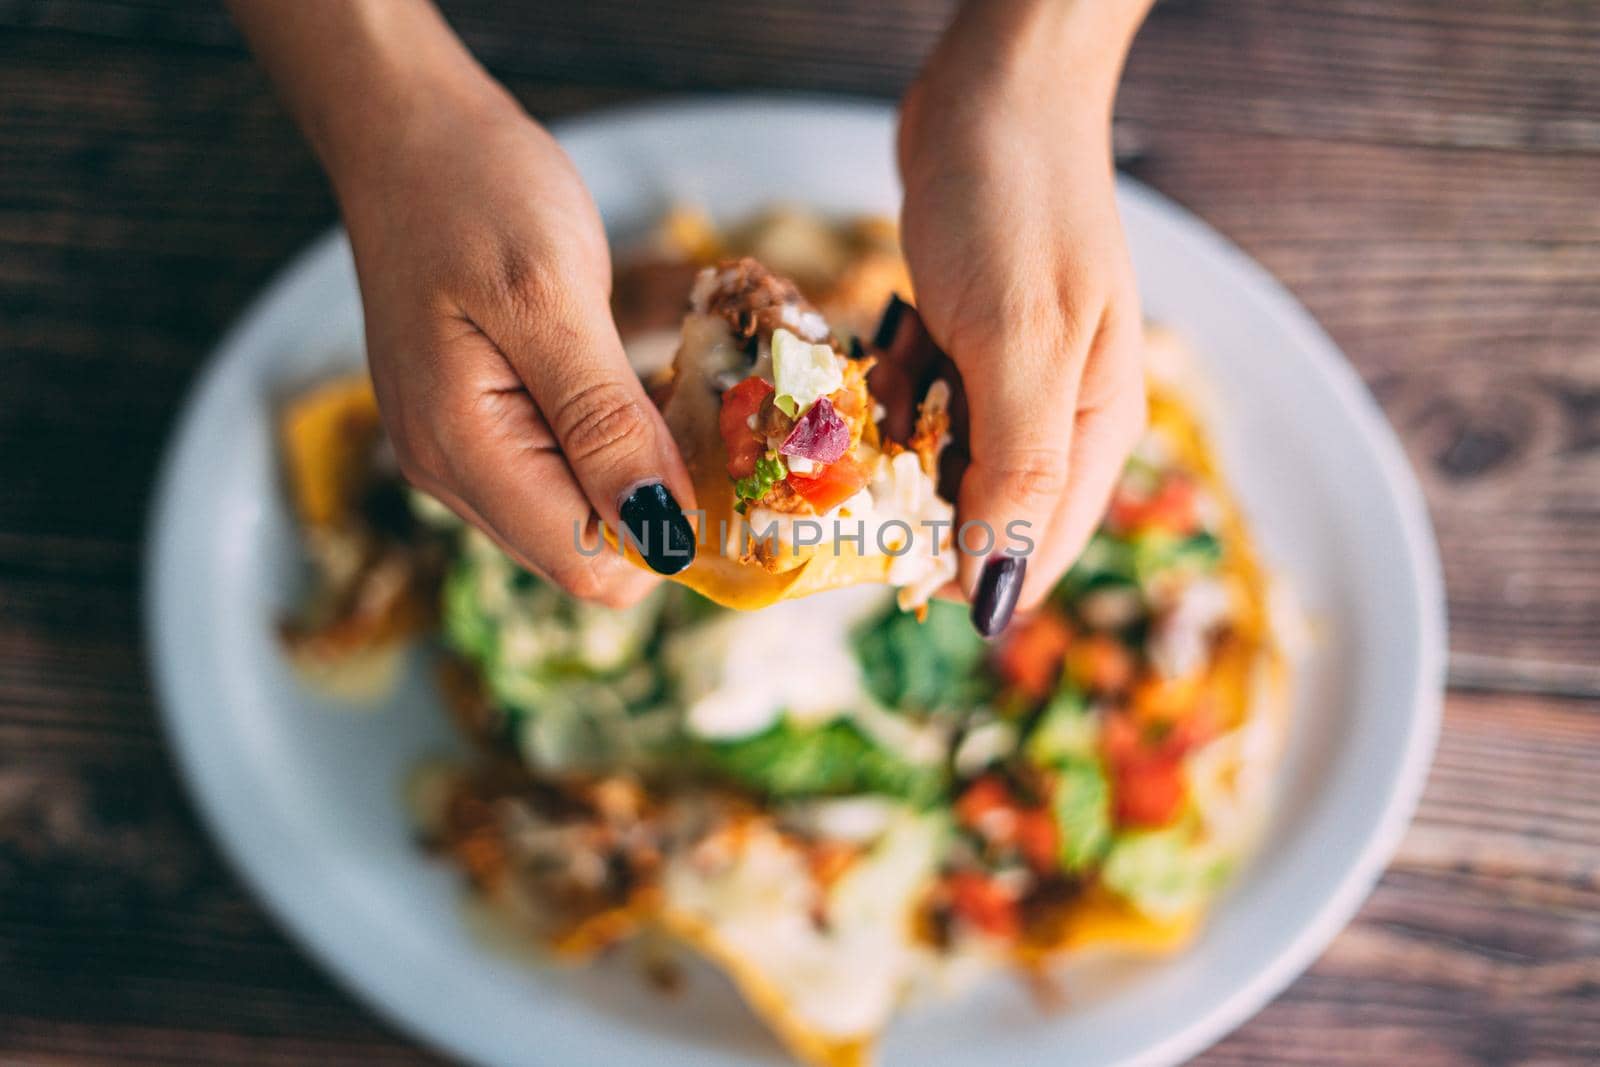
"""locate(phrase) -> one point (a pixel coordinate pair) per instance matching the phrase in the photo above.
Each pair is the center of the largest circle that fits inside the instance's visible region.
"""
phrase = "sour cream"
(740, 673)
(898, 514)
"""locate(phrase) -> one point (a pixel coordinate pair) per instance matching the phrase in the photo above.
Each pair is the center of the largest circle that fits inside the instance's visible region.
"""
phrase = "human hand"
(1021, 273)
(485, 279)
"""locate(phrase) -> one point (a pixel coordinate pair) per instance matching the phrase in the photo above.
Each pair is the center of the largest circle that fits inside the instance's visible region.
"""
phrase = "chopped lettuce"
(1081, 806)
(1135, 561)
(932, 665)
(467, 627)
(768, 473)
(802, 372)
(1164, 873)
(832, 759)
(1158, 552)
(570, 678)
(1105, 560)
(1065, 730)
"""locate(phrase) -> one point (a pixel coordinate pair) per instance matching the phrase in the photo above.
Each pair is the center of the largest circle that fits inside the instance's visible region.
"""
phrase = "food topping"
(820, 436)
(803, 372)
(753, 300)
(827, 488)
(769, 471)
(736, 423)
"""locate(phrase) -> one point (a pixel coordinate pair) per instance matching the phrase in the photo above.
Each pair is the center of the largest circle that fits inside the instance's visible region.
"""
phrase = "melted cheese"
(748, 900)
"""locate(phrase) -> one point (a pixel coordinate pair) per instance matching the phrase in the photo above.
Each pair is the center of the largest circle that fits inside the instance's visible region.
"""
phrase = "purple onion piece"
(820, 436)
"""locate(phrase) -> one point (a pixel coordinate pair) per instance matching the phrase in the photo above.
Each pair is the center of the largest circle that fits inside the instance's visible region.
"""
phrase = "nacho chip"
(753, 548)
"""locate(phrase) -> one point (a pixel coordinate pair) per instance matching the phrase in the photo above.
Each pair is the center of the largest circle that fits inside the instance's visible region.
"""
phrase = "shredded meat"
(783, 499)
(751, 299)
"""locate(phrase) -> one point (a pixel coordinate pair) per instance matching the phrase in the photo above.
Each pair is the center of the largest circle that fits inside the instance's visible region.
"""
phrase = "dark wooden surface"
(1425, 176)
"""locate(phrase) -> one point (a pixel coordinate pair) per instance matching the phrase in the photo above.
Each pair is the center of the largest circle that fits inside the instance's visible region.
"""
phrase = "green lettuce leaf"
(832, 759)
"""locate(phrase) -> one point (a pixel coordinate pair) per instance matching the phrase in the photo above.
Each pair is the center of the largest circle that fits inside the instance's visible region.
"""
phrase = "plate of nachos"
(790, 806)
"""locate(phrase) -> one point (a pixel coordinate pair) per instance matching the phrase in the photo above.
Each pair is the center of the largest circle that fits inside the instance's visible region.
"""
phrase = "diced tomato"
(1147, 785)
(1147, 791)
(1036, 837)
(1120, 740)
(744, 445)
(984, 903)
(1126, 510)
(1029, 658)
(832, 485)
(983, 796)
(1171, 507)
(989, 807)
(1197, 726)
(1101, 664)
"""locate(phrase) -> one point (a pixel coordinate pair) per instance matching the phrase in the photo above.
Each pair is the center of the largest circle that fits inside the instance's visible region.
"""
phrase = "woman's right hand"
(503, 384)
(485, 280)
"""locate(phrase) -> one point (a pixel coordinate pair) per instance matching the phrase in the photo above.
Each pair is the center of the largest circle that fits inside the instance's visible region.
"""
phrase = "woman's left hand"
(1021, 273)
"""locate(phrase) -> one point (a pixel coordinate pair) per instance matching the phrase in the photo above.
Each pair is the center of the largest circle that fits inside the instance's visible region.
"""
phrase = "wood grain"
(1423, 174)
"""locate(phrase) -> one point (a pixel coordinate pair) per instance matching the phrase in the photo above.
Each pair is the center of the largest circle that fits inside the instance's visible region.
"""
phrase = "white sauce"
(1178, 641)
(846, 977)
(900, 497)
(740, 673)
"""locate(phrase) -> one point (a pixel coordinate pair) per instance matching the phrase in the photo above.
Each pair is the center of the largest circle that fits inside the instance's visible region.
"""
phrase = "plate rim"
(1399, 483)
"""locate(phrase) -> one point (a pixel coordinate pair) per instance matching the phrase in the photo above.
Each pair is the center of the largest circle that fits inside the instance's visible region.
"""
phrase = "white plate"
(304, 795)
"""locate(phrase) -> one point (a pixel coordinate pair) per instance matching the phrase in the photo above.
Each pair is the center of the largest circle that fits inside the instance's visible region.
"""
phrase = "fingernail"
(996, 598)
(889, 325)
(660, 532)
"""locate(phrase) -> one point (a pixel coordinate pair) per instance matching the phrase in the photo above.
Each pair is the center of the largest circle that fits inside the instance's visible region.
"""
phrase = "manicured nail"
(889, 325)
(857, 350)
(996, 598)
(660, 532)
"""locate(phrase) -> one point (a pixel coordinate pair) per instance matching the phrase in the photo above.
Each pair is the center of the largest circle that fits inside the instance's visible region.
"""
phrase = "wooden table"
(1424, 175)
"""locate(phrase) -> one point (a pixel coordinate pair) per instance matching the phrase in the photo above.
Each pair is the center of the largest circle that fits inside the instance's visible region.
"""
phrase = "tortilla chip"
(1101, 920)
(719, 574)
(766, 999)
(326, 433)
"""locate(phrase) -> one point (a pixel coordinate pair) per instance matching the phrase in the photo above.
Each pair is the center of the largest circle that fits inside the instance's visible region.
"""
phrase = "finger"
(621, 586)
(1020, 409)
(1111, 418)
(464, 431)
(507, 469)
(566, 350)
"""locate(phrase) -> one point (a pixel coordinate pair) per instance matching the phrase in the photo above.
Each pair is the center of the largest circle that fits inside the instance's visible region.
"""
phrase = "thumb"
(1020, 435)
(610, 434)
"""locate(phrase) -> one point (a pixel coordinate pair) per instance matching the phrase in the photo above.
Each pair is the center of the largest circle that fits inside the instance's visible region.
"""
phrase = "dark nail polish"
(996, 598)
(857, 350)
(889, 325)
(660, 532)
